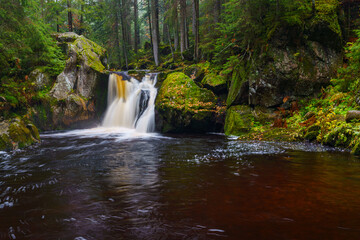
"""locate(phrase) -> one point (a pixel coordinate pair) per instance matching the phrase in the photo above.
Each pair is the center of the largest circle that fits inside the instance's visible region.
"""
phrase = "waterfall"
(131, 104)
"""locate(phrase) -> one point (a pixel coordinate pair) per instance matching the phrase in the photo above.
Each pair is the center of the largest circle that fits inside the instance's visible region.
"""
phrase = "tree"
(155, 30)
(136, 27)
(196, 29)
(183, 27)
(70, 17)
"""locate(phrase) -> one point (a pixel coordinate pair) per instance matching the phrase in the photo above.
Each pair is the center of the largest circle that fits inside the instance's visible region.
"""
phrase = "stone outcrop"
(215, 83)
(292, 65)
(83, 78)
(182, 106)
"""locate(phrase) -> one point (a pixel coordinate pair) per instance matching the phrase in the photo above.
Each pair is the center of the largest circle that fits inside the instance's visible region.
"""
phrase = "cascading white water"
(131, 104)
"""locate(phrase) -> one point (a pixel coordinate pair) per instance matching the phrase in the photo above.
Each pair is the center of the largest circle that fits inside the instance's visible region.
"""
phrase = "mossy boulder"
(15, 134)
(215, 83)
(239, 86)
(195, 72)
(75, 95)
(182, 106)
(85, 63)
(239, 120)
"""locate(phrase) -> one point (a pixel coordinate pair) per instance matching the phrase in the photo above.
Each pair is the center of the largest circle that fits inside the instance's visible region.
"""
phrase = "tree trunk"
(182, 25)
(81, 30)
(149, 19)
(217, 9)
(196, 29)
(70, 23)
(155, 30)
(123, 31)
(136, 27)
(170, 44)
(176, 25)
(116, 30)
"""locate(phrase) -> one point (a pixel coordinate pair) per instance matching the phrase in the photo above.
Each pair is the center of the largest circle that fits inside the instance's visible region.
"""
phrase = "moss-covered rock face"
(239, 120)
(15, 134)
(75, 95)
(183, 106)
(239, 87)
(215, 83)
(86, 61)
(195, 72)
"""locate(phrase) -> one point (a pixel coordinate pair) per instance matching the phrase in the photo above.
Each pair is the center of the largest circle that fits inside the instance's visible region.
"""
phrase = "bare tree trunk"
(196, 29)
(123, 31)
(170, 44)
(136, 27)
(81, 30)
(176, 26)
(155, 30)
(182, 25)
(149, 19)
(116, 30)
(70, 23)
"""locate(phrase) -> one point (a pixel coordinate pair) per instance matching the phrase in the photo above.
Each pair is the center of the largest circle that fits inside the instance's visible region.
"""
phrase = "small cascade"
(131, 104)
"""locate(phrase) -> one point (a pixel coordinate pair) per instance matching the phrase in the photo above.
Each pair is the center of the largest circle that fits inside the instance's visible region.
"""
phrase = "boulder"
(86, 61)
(215, 83)
(291, 72)
(195, 72)
(82, 86)
(296, 62)
(183, 106)
(239, 120)
(239, 87)
(16, 134)
(352, 115)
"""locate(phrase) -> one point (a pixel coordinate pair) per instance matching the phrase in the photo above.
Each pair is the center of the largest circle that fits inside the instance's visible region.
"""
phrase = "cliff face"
(79, 92)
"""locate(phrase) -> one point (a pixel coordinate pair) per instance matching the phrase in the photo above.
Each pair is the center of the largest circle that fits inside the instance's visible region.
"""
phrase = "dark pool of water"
(109, 186)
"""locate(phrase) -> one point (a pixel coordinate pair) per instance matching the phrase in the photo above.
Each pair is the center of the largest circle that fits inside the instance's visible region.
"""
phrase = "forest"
(179, 119)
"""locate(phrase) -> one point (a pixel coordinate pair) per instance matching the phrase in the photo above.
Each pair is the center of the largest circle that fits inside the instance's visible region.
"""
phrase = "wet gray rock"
(291, 72)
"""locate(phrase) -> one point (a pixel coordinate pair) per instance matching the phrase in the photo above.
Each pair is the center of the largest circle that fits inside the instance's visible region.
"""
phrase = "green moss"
(239, 120)
(183, 105)
(34, 131)
(5, 142)
(239, 77)
(90, 52)
(214, 82)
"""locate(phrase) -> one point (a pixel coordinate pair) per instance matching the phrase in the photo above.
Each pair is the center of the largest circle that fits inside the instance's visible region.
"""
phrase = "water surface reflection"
(115, 185)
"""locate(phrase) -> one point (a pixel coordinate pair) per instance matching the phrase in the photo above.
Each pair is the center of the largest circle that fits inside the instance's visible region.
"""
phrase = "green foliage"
(25, 42)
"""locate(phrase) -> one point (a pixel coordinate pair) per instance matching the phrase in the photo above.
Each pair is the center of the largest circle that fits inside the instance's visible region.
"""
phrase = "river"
(111, 184)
